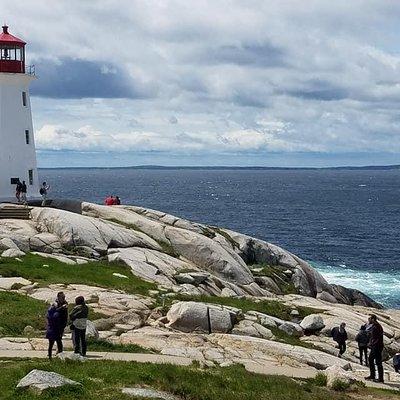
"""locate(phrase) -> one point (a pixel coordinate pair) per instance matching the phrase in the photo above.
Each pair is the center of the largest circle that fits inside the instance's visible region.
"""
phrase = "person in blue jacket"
(57, 318)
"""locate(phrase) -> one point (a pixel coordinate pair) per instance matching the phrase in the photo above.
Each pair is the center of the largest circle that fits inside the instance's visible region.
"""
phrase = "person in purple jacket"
(57, 317)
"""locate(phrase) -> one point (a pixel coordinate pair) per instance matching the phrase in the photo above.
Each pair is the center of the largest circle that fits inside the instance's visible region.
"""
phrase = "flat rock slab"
(149, 393)
(8, 283)
(42, 380)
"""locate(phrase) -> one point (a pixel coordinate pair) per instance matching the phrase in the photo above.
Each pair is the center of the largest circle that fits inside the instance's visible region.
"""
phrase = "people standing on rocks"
(362, 339)
(376, 347)
(117, 201)
(23, 192)
(44, 189)
(57, 318)
(18, 191)
(339, 335)
(78, 317)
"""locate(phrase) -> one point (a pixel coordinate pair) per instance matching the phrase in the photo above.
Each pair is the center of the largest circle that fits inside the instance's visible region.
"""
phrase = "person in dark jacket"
(362, 339)
(339, 335)
(78, 317)
(396, 362)
(376, 347)
(57, 317)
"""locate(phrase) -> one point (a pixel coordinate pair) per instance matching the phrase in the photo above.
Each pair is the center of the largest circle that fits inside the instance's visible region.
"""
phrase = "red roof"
(6, 38)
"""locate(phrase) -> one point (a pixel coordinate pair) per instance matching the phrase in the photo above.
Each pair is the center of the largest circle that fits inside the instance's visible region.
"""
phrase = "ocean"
(344, 222)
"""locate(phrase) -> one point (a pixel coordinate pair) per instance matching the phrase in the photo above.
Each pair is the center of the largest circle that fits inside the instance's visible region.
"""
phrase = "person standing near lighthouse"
(17, 149)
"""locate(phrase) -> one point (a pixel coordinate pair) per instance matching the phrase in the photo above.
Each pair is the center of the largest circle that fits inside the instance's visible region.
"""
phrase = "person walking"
(376, 347)
(44, 189)
(362, 339)
(23, 192)
(339, 335)
(78, 317)
(18, 191)
(57, 317)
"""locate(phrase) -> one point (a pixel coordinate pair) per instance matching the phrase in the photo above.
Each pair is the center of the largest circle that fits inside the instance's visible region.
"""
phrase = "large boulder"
(291, 329)
(13, 283)
(336, 374)
(45, 242)
(249, 328)
(200, 317)
(209, 255)
(41, 380)
(151, 265)
(12, 253)
(78, 230)
(312, 323)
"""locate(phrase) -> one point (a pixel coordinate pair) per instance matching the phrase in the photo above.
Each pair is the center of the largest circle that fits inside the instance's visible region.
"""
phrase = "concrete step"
(15, 212)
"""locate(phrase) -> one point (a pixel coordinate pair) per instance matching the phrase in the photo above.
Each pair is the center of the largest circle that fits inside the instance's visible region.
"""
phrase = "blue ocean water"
(346, 222)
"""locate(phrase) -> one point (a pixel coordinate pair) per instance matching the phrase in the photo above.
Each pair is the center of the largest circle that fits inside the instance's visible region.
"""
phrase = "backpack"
(41, 191)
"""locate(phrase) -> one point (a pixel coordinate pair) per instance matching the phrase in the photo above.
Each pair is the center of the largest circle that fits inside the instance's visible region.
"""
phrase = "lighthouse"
(17, 145)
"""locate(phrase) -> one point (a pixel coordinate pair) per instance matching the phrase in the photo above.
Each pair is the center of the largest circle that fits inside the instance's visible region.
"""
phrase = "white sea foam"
(382, 286)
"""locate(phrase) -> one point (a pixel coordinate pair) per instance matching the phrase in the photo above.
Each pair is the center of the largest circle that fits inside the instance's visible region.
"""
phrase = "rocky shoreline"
(199, 271)
(188, 257)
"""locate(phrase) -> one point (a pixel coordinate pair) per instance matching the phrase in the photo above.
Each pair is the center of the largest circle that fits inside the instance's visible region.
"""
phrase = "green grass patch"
(275, 272)
(226, 236)
(104, 379)
(96, 273)
(168, 249)
(104, 345)
(17, 311)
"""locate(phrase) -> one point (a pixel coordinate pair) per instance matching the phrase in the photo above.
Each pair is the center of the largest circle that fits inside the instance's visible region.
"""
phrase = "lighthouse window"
(24, 102)
(27, 136)
(30, 173)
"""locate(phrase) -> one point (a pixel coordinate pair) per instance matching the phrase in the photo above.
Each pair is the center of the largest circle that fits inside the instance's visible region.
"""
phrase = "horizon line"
(226, 167)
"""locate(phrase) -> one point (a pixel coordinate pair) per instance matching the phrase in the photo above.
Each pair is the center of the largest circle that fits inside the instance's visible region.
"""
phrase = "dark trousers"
(363, 354)
(80, 341)
(342, 347)
(375, 357)
(59, 346)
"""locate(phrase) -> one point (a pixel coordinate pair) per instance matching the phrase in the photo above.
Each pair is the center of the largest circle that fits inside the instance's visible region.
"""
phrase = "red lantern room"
(12, 53)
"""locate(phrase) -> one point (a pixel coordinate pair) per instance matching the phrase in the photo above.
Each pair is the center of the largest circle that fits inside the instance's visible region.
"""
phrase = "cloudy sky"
(275, 83)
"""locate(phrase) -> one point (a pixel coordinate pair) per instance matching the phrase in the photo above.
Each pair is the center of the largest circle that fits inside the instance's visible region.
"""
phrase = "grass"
(276, 273)
(232, 242)
(48, 271)
(104, 345)
(18, 311)
(104, 379)
(269, 307)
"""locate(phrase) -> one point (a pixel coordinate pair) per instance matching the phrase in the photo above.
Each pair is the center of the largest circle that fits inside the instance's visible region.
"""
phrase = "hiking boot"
(369, 378)
(379, 381)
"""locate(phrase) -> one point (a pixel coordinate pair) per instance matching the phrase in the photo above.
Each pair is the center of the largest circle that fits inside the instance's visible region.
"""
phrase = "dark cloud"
(76, 79)
(319, 90)
(263, 55)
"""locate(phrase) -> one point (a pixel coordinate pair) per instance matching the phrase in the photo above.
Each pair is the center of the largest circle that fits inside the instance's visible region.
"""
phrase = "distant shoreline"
(227, 168)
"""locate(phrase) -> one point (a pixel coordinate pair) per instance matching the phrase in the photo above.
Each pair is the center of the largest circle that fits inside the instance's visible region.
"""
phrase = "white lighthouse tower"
(17, 146)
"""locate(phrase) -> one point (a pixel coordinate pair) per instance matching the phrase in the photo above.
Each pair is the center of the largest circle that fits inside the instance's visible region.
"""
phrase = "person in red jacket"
(109, 201)
(376, 346)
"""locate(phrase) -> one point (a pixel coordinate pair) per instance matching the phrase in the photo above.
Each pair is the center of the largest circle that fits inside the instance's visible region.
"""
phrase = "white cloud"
(216, 76)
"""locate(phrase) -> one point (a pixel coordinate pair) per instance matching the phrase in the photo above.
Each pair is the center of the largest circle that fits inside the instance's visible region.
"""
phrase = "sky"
(263, 83)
